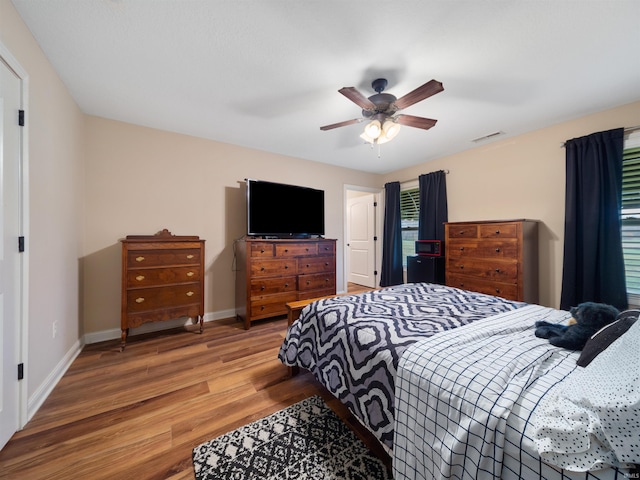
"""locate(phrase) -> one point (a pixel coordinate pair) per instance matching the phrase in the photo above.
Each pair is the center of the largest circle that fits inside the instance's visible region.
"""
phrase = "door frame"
(377, 192)
(22, 330)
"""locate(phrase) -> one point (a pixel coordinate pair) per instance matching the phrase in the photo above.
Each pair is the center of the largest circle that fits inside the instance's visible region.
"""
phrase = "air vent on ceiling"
(487, 137)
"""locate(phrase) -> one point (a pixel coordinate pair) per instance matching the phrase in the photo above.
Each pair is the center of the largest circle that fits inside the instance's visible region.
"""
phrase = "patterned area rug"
(304, 441)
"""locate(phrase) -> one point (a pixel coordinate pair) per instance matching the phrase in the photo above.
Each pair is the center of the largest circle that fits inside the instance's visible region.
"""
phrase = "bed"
(374, 350)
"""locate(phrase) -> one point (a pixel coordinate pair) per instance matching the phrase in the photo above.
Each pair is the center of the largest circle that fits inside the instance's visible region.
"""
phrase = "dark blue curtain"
(593, 265)
(392, 273)
(433, 205)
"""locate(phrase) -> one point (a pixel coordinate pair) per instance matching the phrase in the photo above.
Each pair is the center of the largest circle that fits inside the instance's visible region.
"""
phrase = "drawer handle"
(139, 259)
(461, 267)
(497, 232)
(140, 278)
(190, 256)
(189, 294)
(286, 266)
(286, 285)
(286, 250)
(308, 265)
(261, 307)
(139, 299)
(308, 282)
(307, 249)
(262, 251)
(497, 290)
(462, 249)
(497, 250)
(262, 269)
(326, 264)
(262, 287)
(190, 274)
(498, 270)
(461, 232)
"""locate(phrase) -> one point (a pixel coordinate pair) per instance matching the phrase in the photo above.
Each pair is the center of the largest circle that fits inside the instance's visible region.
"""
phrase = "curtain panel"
(593, 264)
(433, 205)
(392, 273)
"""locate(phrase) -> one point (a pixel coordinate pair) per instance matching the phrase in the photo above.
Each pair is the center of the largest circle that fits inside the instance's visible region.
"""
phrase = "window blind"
(630, 215)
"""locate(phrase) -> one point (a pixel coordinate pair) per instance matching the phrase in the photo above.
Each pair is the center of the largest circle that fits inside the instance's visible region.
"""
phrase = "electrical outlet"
(55, 329)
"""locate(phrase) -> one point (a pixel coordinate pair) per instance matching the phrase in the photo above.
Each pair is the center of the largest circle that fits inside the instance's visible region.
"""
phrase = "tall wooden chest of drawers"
(272, 273)
(162, 279)
(497, 257)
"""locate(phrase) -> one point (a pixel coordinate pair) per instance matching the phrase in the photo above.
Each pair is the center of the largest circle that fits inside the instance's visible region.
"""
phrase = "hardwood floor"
(138, 414)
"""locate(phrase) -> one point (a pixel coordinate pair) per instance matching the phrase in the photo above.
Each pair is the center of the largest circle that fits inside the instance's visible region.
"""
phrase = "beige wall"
(522, 177)
(140, 180)
(56, 208)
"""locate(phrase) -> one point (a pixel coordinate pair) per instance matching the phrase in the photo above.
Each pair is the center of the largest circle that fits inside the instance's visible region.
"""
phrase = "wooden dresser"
(271, 273)
(162, 279)
(495, 257)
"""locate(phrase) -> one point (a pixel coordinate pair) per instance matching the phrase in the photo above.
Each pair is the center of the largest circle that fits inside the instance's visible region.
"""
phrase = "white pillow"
(592, 418)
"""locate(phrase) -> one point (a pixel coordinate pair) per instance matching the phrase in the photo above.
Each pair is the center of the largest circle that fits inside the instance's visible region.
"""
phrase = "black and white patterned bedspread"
(352, 344)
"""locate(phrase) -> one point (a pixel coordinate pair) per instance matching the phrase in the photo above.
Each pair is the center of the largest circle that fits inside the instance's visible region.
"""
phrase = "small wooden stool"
(294, 308)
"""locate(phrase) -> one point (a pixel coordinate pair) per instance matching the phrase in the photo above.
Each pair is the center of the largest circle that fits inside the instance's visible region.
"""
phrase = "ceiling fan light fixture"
(367, 138)
(373, 129)
(389, 130)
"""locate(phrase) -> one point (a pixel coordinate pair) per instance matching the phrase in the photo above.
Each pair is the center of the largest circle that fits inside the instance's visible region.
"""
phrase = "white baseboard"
(44, 390)
(112, 334)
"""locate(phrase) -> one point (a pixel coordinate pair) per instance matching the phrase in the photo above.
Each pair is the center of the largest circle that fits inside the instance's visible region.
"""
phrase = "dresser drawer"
(507, 248)
(262, 249)
(505, 290)
(270, 305)
(500, 271)
(157, 258)
(463, 231)
(268, 286)
(317, 281)
(264, 267)
(326, 248)
(499, 230)
(296, 249)
(161, 276)
(316, 264)
(141, 299)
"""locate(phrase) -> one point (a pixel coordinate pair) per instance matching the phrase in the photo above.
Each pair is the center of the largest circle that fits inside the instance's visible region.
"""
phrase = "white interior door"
(10, 273)
(361, 240)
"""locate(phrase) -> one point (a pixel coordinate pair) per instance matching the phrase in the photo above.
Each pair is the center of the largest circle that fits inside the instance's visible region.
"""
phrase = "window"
(409, 211)
(630, 216)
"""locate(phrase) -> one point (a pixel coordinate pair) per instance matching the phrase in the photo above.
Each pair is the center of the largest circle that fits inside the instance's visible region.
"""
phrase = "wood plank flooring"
(138, 414)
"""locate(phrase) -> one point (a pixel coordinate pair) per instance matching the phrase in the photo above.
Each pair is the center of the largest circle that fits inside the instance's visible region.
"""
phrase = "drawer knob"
(189, 294)
(139, 259)
(140, 278)
(308, 265)
(497, 290)
(308, 282)
(262, 251)
(190, 274)
(326, 264)
(497, 250)
(497, 232)
(461, 232)
(262, 269)
(261, 307)
(286, 266)
(262, 287)
(190, 256)
(498, 270)
(461, 267)
(286, 250)
(286, 285)
(139, 300)
(461, 249)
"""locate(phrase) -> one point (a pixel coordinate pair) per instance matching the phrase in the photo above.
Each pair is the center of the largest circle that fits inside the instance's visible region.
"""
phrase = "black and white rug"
(304, 441)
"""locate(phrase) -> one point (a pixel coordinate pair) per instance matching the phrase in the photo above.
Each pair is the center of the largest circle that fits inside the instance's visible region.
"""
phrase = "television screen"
(276, 209)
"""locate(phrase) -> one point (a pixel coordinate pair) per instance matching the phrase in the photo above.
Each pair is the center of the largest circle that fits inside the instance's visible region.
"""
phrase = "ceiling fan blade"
(425, 91)
(417, 122)
(341, 124)
(358, 98)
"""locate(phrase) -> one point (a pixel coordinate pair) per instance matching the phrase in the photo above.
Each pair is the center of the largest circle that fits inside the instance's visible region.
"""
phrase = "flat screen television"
(284, 211)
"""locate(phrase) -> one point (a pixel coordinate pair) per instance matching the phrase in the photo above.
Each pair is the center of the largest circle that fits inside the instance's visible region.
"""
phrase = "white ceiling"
(265, 73)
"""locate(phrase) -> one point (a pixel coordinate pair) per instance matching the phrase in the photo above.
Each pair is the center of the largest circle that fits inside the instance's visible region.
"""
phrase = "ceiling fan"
(381, 110)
